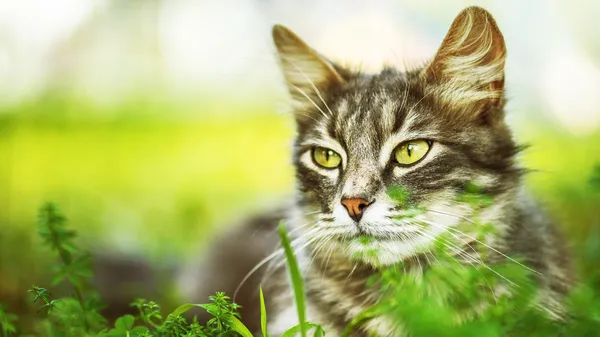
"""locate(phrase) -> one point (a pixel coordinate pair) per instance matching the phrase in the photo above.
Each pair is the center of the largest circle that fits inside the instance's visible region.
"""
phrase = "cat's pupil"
(409, 149)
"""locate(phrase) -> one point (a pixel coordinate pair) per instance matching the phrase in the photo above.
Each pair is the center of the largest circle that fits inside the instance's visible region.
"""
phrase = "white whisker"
(487, 246)
(482, 263)
(313, 86)
(310, 99)
(351, 272)
(262, 263)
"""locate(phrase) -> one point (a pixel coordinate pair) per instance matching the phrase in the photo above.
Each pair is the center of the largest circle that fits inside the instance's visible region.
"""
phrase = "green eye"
(411, 152)
(326, 158)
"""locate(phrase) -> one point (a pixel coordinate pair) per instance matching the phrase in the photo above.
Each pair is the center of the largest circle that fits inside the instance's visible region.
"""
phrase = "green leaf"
(295, 275)
(263, 313)
(6, 322)
(300, 328)
(185, 307)
(125, 323)
(239, 327)
(359, 319)
(139, 330)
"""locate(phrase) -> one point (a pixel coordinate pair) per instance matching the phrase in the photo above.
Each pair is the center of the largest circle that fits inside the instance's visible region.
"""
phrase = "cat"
(431, 130)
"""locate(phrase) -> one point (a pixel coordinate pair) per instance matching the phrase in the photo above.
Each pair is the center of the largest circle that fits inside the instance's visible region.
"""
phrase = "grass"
(79, 314)
(296, 278)
(438, 303)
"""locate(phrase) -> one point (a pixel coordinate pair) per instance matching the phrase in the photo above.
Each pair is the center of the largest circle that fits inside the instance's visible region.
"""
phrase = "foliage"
(595, 179)
(7, 322)
(79, 315)
(437, 302)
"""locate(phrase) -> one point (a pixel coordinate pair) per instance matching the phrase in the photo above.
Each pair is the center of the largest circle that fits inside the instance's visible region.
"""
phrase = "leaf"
(139, 330)
(299, 328)
(125, 323)
(297, 281)
(6, 322)
(185, 307)
(359, 319)
(263, 314)
(239, 327)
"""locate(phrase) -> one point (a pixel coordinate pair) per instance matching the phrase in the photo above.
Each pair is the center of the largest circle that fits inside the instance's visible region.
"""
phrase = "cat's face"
(430, 132)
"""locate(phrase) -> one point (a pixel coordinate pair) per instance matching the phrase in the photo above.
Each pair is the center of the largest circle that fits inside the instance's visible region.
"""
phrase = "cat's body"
(431, 131)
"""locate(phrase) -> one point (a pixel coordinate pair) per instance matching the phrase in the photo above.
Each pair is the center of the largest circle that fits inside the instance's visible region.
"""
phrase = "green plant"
(438, 302)
(7, 322)
(298, 288)
(79, 315)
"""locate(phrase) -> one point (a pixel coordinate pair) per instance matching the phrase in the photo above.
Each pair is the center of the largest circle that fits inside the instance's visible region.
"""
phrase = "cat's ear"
(469, 65)
(308, 75)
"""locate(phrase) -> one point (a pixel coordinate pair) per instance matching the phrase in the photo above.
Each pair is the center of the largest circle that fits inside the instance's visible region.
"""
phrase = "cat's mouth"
(366, 236)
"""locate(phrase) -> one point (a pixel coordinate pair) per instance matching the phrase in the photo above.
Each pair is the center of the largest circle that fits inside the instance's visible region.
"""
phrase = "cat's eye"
(326, 158)
(412, 151)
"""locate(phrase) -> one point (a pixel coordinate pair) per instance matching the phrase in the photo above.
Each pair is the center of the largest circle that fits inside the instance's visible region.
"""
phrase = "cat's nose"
(355, 207)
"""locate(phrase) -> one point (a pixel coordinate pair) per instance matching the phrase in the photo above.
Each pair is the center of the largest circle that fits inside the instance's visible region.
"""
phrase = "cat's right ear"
(308, 75)
(469, 65)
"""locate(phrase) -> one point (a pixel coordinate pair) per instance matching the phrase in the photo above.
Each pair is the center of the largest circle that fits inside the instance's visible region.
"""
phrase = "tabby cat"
(431, 130)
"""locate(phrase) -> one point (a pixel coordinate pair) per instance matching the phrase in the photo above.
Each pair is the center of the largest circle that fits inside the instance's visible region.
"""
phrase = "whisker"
(299, 239)
(331, 250)
(468, 256)
(307, 115)
(310, 99)
(260, 264)
(283, 260)
(320, 244)
(313, 86)
(482, 263)
(405, 98)
(351, 272)
(419, 101)
(297, 228)
(487, 246)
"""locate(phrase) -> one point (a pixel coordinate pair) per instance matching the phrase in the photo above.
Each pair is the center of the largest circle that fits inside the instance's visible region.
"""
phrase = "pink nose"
(355, 207)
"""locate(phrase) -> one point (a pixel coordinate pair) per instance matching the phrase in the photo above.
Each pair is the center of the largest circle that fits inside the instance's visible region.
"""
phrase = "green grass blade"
(359, 319)
(263, 314)
(183, 308)
(296, 277)
(291, 332)
(240, 328)
(236, 326)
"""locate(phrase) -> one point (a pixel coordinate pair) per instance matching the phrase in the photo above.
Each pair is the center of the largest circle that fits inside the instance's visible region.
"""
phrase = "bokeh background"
(155, 124)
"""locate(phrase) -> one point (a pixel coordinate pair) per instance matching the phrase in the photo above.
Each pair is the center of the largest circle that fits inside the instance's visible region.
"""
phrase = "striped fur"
(456, 101)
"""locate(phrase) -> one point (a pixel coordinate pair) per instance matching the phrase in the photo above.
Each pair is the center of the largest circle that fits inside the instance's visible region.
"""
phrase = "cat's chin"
(384, 251)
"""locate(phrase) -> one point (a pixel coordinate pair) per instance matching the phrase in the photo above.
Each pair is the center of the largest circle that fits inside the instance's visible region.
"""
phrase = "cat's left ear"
(468, 68)
(308, 75)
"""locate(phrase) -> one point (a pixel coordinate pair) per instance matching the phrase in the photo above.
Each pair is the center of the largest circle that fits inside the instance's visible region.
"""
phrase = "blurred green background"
(156, 124)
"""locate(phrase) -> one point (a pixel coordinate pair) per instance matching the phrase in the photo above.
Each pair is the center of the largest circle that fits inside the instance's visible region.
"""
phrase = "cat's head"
(430, 132)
